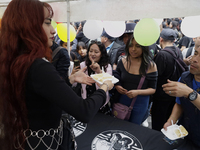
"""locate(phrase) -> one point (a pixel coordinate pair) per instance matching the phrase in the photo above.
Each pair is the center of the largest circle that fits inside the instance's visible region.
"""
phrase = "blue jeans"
(140, 108)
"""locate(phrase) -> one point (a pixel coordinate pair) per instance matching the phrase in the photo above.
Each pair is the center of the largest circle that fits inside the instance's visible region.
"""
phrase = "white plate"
(170, 133)
(98, 77)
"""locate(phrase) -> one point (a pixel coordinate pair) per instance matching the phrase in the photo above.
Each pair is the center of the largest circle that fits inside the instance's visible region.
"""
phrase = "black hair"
(174, 24)
(104, 60)
(146, 57)
(62, 42)
(81, 44)
(168, 21)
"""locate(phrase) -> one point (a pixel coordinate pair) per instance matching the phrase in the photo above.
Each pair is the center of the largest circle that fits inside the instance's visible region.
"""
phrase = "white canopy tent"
(118, 10)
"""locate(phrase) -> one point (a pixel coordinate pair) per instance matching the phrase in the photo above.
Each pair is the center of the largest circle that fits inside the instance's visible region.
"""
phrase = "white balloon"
(93, 29)
(158, 21)
(114, 28)
(190, 26)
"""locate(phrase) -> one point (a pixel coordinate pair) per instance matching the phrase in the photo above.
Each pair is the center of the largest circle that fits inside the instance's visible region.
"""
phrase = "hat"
(130, 27)
(168, 34)
(108, 36)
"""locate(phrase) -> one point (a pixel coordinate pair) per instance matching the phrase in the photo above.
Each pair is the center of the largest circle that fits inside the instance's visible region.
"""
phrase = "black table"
(108, 133)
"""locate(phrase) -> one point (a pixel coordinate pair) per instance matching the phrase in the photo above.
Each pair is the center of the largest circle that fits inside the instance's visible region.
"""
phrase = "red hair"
(22, 40)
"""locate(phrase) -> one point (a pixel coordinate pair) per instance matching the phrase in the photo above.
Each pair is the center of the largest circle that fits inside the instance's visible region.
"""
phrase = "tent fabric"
(119, 10)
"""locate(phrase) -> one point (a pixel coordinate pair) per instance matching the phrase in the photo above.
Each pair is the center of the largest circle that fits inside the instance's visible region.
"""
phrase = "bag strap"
(190, 43)
(175, 58)
(139, 87)
(189, 52)
(56, 51)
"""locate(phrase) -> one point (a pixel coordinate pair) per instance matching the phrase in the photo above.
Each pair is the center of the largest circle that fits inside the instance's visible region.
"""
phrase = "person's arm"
(117, 74)
(182, 48)
(109, 69)
(178, 89)
(134, 93)
(81, 77)
(47, 83)
(175, 115)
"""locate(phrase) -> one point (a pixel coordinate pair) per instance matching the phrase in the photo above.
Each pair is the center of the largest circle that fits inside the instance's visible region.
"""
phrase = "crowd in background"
(128, 61)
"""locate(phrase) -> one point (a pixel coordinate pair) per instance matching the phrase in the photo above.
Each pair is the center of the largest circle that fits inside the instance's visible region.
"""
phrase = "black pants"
(160, 112)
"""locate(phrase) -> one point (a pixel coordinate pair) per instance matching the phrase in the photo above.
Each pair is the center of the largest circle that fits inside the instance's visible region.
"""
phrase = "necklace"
(198, 89)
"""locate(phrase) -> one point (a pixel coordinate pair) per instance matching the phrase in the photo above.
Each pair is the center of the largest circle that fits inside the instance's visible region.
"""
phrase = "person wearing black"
(32, 93)
(61, 60)
(129, 71)
(185, 42)
(162, 102)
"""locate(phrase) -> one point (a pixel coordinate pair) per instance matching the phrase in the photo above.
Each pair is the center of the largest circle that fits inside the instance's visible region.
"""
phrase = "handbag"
(122, 111)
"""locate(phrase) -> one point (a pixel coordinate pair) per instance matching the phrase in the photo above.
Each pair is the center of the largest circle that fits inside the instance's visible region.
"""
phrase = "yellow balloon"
(62, 32)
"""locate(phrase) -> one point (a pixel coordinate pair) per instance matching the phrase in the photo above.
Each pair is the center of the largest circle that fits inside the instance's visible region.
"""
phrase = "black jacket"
(61, 61)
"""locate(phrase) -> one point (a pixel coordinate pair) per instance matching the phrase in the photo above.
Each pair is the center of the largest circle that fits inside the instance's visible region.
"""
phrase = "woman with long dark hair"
(138, 63)
(32, 94)
(96, 60)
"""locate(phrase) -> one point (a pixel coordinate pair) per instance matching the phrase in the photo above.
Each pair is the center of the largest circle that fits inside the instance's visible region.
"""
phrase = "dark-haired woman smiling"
(96, 59)
(129, 70)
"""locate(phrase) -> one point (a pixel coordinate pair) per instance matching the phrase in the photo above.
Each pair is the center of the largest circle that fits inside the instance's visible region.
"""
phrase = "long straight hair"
(22, 40)
(146, 57)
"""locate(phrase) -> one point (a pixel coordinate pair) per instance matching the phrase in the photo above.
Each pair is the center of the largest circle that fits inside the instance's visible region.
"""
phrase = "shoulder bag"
(122, 111)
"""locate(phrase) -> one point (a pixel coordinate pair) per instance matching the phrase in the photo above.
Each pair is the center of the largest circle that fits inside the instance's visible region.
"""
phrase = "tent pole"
(68, 29)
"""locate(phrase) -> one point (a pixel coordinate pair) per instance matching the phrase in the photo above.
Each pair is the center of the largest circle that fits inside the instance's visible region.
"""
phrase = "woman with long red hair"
(32, 94)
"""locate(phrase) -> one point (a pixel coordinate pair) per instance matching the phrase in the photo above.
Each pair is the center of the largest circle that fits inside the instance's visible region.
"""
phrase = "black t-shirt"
(131, 81)
(185, 41)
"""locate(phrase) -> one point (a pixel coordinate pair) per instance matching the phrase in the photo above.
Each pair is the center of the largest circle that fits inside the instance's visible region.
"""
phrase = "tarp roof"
(118, 10)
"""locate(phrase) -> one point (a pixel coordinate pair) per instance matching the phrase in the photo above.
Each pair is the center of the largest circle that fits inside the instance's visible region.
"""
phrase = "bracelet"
(106, 85)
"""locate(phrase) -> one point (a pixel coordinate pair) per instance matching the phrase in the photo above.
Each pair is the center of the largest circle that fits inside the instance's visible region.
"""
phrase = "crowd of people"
(40, 82)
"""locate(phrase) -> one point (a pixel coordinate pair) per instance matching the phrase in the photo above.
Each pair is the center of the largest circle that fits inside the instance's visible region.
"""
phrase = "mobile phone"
(76, 63)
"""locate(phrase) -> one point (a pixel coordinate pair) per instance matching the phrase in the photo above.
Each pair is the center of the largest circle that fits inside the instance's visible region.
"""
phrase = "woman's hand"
(120, 89)
(132, 93)
(81, 77)
(95, 67)
(110, 84)
(75, 69)
(107, 85)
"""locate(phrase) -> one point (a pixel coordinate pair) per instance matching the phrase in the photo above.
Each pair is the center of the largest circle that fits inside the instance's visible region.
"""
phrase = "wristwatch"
(193, 96)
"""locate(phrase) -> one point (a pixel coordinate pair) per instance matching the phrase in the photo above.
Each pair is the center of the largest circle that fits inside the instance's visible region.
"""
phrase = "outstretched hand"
(81, 77)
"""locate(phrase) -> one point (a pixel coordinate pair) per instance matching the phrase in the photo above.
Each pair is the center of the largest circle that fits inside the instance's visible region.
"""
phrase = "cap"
(108, 36)
(168, 34)
(130, 27)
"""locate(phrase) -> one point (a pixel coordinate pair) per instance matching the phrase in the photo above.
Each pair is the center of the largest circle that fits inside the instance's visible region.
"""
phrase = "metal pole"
(68, 29)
